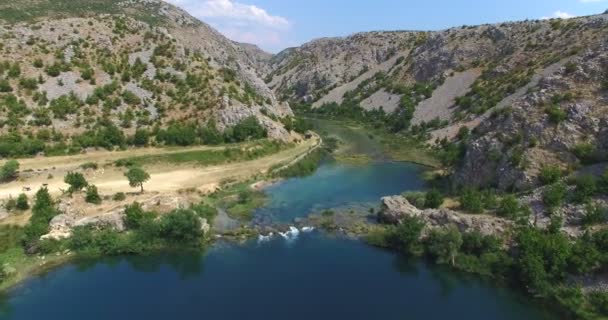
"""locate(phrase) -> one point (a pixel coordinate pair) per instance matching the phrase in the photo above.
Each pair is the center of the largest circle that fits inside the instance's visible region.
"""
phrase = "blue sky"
(277, 24)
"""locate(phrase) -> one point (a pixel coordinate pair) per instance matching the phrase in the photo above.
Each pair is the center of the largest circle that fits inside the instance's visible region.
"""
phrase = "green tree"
(405, 237)
(8, 171)
(444, 244)
(76, 181)
(141, 137)
(137, 176)
(22, 202)
(181, 225)
(92, 195)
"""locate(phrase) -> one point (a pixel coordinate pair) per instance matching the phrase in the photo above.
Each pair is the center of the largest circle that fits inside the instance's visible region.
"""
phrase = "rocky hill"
(88, 73)
(531, 93)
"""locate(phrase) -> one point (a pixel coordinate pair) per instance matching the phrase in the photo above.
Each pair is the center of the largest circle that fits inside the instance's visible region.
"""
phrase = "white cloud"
(239, 21)
(561, 14)
(590, 1)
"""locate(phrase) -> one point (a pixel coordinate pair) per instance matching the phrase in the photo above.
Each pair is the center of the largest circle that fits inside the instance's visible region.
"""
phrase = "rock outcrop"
(395, 208)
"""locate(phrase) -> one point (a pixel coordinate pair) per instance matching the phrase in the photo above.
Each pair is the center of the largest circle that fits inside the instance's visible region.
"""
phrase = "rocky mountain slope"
(532, 93)
(73, 72)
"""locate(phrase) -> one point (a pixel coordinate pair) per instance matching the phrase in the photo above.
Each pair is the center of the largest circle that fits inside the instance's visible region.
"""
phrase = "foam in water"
(290, 235)
(308, 229)
(262, 238)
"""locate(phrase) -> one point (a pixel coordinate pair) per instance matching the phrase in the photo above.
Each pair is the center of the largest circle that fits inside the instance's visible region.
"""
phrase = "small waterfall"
(290, 235)
(265, 238)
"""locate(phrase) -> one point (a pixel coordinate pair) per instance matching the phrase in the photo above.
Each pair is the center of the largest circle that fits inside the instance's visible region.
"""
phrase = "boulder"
(393, 209)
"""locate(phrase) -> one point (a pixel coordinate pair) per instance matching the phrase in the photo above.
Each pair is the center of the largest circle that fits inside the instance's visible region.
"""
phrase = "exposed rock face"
(61, 225)
(184, 67)
(395, 208)
(508, 150)
(73, 215)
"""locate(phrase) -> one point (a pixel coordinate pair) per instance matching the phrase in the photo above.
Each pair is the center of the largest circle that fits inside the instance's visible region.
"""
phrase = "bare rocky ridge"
(164, 42)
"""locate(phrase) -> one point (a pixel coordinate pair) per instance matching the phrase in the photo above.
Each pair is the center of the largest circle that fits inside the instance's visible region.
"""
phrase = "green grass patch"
(209, 157)
(239, 200)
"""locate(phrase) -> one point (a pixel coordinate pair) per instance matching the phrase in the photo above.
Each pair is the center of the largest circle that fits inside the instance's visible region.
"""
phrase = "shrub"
(76, 181)
(586, 187)
(119, 196)
(433, 199)
(92, 195)
(550, 174)
(89, 165)
(595, 214)
(443, 244)
(556, 114)
(141, 137)
(136, 217)
(22, 202)
(248, 129)
(5, 86)
(405, 237)
(130, 98)
(417, 199)
(554, 195)
(8, 171)
(509, 206)
(471, 200)
(585, 152)
(181, 225)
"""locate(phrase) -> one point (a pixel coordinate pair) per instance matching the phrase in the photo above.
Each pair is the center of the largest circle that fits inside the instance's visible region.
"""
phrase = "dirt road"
(164, 177)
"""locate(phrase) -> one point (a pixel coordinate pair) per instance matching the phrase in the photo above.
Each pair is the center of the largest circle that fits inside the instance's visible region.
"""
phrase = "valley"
(459, 173)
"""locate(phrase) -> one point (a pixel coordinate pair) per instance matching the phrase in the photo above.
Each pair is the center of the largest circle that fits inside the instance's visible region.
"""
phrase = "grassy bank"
(361, 143)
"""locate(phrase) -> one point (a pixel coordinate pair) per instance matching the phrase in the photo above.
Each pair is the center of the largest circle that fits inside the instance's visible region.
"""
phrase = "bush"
(76, 181)
(181, 226)
(248, 129)
(5, 86)
(586, 187)
(92, 195)
(443, 244)
(471, 200)
(141, 137)
(89, 165)
(554, 195)
(509, 206)
(22, 202)
(433, 199)
(595, 214)
(136, 217)
(119, 196)
(556, 114)
(585, 152)
(9, 170)
(405, 237)
(550, 174)
(205, 211)
(417, 199)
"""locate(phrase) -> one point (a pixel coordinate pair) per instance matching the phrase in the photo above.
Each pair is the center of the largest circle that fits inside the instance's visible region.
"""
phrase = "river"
(308, 276)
